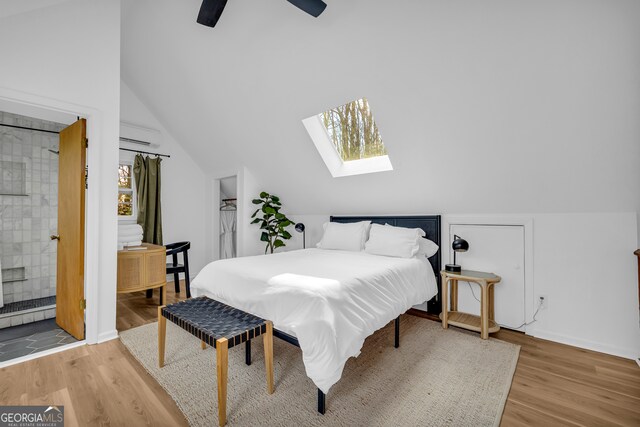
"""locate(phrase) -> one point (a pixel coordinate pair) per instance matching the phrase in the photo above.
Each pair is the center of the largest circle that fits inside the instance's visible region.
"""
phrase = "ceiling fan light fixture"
(312, 7)
(210, 12)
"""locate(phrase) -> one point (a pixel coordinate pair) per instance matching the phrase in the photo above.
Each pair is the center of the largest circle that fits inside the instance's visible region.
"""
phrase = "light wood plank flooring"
(103, 384)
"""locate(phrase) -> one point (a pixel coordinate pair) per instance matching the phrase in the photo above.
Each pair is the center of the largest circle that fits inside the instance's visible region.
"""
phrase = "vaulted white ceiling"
(15, 7)
(236, 94)
(473, 99)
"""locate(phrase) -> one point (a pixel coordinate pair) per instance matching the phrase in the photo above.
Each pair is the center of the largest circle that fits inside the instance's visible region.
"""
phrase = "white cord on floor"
(507, 326)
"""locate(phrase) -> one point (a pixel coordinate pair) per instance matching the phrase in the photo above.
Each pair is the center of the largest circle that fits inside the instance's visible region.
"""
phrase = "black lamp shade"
(459, 244)
(210, 12)
(312, 7)
(300, 229)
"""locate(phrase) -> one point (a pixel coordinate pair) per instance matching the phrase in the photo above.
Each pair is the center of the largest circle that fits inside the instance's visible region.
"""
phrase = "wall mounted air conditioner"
(138, 137)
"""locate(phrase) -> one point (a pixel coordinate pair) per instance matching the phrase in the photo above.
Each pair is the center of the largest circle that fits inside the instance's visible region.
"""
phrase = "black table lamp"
(300, 229)
(458, 245)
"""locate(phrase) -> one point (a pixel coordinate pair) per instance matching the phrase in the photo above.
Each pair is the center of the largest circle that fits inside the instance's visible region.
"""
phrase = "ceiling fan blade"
(210, 12)
(312, 7)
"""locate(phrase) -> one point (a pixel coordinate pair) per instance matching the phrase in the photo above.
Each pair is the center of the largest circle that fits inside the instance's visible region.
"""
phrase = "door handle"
(55, 237)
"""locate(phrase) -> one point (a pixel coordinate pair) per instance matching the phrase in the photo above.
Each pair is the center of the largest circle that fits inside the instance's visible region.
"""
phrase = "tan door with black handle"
(70, 301)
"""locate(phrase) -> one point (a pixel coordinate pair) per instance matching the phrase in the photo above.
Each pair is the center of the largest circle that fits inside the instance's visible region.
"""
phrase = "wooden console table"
(485, 323)
(142, 269)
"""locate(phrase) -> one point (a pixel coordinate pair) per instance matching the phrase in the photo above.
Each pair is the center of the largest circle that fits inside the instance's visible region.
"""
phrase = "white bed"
(329, 300)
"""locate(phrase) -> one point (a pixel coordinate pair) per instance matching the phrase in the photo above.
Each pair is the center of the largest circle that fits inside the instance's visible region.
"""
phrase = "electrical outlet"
(543, 300)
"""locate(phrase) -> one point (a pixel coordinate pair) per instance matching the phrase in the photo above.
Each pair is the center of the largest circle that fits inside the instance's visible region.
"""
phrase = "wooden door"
(70, 235)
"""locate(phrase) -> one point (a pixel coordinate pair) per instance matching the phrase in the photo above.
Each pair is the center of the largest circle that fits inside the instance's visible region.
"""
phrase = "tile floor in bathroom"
(18, 341)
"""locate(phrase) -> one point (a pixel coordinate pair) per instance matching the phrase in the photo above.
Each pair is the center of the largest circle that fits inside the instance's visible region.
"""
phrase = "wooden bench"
(222, 327)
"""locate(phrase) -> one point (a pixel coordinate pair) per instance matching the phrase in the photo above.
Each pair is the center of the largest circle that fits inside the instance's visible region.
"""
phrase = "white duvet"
(330, 300)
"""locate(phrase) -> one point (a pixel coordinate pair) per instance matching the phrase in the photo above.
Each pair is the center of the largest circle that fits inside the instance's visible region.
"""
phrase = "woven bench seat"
(210, 320)
(222, 327)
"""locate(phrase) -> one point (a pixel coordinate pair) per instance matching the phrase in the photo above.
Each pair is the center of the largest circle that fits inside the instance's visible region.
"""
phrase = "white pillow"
(392, 241)
(344, 236)
(428, 248)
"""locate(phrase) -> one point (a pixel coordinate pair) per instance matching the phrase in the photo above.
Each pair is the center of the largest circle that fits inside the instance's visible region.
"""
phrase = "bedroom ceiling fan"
(211, 10)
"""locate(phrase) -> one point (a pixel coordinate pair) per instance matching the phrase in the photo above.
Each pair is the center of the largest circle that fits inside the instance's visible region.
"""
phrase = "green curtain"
(147, 174)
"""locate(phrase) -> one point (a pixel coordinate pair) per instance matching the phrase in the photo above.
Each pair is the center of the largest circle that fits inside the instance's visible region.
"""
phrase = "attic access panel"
(348, 139)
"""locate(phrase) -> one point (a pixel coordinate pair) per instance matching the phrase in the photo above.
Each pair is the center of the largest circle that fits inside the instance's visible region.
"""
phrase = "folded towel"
(130, 228)
(129, 239)
(129, 232)
(129, 236)
(135, 243)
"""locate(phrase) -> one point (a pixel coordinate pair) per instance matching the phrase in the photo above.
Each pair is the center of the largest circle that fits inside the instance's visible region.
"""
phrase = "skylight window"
(348, 139)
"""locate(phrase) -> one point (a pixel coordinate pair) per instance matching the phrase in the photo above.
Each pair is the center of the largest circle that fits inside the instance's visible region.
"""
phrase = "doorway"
(228, 217)
(41, 258)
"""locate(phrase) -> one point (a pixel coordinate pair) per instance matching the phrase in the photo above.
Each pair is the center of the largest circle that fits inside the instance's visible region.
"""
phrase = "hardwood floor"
(99, 384)
(557, 385)
(135, 309)
(554, 384)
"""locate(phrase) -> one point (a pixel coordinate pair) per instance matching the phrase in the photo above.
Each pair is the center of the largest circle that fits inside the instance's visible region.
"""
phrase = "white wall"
(67, 56)
(585, 265)
(184, 210)
(533, 105)
(313, 229)
(248, 236)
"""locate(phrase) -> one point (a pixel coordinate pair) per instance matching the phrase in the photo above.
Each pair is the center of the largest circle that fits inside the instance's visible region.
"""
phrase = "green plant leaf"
(271, 221)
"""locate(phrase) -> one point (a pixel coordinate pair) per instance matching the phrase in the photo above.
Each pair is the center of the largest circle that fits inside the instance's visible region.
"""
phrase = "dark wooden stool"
(222, 327)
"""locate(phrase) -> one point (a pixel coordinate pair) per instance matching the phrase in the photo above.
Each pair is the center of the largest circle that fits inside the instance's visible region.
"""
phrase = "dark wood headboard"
(431, 226)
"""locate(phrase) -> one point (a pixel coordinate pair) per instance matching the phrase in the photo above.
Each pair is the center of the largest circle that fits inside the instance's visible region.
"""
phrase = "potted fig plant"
(272, 223)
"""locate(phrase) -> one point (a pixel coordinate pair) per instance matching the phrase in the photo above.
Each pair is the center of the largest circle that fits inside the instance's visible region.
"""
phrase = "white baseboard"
(627, 353)
(107, 336)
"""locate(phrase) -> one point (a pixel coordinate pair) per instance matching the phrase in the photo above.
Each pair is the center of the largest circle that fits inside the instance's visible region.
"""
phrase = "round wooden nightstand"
(143, 267)
(485, 323)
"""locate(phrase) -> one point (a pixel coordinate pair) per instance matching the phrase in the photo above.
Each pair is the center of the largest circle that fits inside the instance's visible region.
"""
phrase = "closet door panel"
(497, 249)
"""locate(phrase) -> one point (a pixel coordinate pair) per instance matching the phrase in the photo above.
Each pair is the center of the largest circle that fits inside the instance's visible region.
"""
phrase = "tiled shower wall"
(27, 219)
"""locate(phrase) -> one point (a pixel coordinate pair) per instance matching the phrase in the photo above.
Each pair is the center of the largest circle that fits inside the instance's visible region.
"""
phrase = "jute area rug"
(436, 378)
